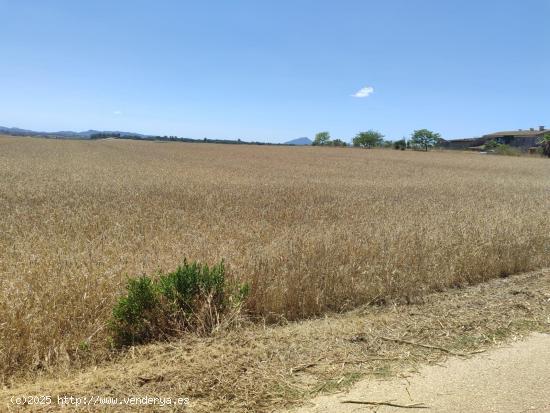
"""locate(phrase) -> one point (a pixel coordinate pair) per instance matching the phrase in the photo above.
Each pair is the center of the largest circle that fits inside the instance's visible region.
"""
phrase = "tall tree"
(425, 138)
(368, 139)
(322, 138)
(545, 143)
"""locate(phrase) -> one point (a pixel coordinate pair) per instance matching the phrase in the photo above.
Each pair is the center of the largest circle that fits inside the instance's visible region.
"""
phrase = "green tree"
(368, 139)
(339, 142)
(425, 138)
(321, 139)
(401, 144)
(545, 143)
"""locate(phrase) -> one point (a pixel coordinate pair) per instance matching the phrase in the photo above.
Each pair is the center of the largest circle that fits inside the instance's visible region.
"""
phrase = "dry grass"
(262, 369)
(312, 229)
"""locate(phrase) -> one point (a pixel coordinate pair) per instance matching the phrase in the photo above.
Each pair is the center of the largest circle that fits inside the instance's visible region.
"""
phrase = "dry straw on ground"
(312, 229)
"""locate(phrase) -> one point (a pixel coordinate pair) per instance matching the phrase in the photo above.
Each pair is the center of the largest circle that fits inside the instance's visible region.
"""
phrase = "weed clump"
(194, 297)
(501, 149)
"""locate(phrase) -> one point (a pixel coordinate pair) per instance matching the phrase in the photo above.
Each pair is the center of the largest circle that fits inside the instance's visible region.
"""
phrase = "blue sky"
(275, 70)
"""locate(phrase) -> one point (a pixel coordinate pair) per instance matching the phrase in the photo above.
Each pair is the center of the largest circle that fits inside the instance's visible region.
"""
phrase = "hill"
(65, 134)
(299, 141)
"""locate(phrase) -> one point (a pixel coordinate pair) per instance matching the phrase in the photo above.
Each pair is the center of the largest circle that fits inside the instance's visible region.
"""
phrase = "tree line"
(104, 135)
(423, 139)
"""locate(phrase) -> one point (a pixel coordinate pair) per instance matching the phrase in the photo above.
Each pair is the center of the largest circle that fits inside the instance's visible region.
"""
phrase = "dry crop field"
(313, 230)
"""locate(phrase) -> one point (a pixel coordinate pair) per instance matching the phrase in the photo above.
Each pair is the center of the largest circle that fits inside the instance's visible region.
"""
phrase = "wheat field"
(312, 230)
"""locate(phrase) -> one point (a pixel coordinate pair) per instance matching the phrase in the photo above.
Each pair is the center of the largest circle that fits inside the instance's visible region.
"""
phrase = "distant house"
(522, 139)
(465, 143)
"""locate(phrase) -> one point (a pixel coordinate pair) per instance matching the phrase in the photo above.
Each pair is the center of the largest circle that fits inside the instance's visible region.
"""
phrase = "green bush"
(191, 281)
(400, 144)
(492, 144)
(502, 149)
(545, 145)
(133, 313)
(194, 297)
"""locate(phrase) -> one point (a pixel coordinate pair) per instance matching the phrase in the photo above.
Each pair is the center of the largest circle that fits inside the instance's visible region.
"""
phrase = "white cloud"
(117, 112)
(363, 92)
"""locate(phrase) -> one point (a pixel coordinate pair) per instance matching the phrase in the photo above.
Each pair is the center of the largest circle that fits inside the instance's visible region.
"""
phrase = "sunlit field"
(312, 230)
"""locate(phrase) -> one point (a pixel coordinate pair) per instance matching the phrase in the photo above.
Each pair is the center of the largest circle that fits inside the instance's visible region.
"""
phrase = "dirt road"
(511, 379)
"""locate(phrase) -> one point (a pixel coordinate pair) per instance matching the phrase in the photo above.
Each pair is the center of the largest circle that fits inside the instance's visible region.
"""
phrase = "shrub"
(492, 144)
(194, 297)
(545, 145)
(400, 144)
(338, 142)
(508, 150)
(133, 313)
(190, 281)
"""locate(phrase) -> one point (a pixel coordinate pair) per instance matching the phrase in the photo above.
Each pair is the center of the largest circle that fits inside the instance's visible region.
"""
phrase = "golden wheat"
(311, 229)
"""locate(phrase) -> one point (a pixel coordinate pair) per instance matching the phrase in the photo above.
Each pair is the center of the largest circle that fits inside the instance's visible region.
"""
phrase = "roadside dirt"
(514, 378)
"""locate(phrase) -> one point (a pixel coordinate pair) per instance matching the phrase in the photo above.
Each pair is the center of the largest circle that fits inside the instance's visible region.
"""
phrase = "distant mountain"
(97, 134)
(299, 141)
(65, 134)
